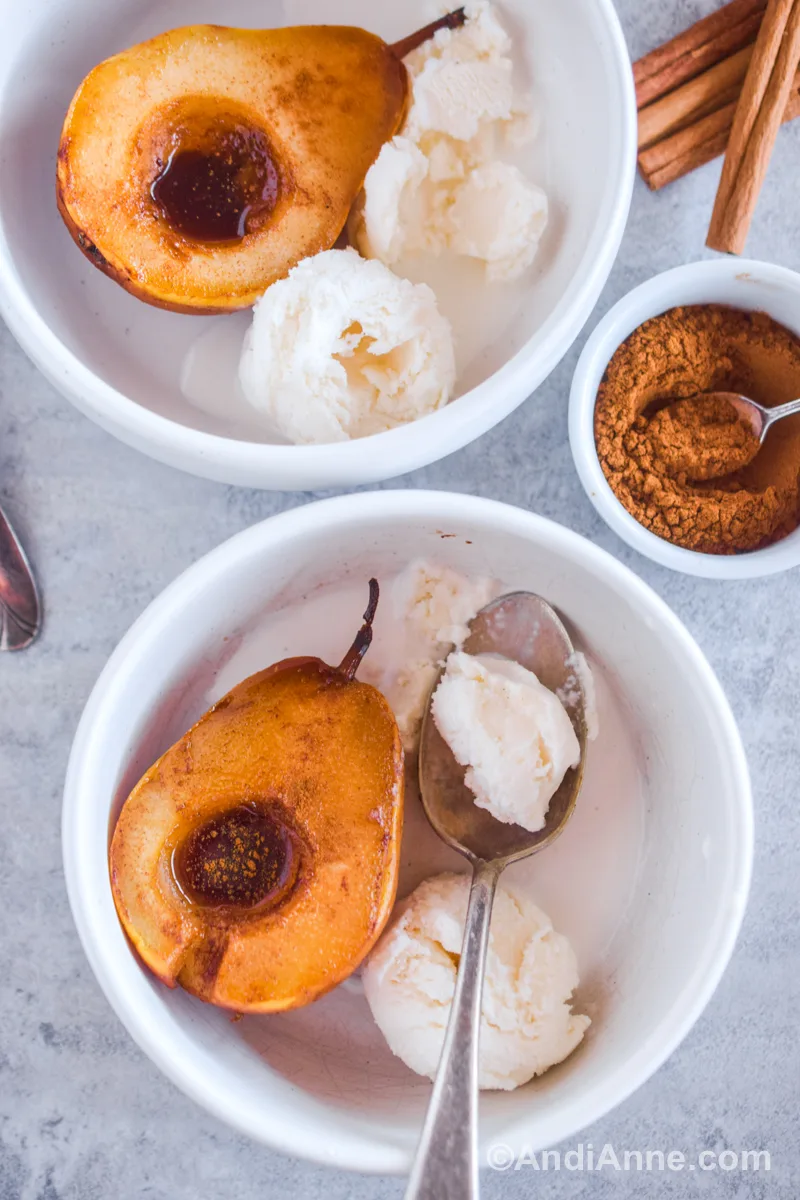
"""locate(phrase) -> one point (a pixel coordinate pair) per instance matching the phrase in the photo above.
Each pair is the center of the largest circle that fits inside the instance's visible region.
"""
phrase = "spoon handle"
(782, 410)
(446, 1165)
(19, 603)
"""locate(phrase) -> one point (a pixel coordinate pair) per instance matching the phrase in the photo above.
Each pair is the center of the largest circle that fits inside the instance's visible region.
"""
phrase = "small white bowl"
(120, 361)
(320, 1083)
(738, 282)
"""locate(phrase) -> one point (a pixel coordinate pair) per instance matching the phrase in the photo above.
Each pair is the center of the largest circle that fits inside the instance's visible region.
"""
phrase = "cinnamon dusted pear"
(256, 862)
(197, 168)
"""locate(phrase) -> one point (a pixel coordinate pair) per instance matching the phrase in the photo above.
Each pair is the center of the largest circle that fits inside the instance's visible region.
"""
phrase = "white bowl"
(119, 361)
(738, 282)
(330, 1091)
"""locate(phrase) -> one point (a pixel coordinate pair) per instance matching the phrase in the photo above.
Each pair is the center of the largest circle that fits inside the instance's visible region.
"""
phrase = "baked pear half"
(199, 167)
(255, 864)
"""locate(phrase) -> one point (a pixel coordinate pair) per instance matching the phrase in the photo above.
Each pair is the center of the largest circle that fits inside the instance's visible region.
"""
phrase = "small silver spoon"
(20, 614)
(756, 416)
(762, 419)
(522, 627)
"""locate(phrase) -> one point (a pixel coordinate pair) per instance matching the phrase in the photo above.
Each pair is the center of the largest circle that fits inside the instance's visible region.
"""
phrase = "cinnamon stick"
(702, 95)
(687, 145)
(698, 143)
(704, 44)
(694, 156)
(765, 95)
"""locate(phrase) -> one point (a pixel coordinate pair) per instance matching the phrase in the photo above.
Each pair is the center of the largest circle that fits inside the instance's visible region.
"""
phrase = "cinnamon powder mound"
(705, 437)
(682, 353)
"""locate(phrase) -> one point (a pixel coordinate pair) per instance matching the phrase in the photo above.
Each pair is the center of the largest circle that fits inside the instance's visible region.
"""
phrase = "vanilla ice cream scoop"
(499, 216)
(511, 733)
(527, 1023)
(433, 606)
(441, 184)
(343, 348)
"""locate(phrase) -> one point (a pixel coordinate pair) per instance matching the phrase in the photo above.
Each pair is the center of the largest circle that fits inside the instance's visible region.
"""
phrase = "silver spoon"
(522, 627)
(20, 615)
(759, 419)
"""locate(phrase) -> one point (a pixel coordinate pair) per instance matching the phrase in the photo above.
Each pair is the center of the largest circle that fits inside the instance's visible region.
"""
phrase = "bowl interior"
(749, 285)
(320, 1082)
(144, 353)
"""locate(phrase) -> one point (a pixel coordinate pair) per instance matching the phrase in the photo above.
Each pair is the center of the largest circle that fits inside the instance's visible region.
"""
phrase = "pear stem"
(451, 21)
(363, 640)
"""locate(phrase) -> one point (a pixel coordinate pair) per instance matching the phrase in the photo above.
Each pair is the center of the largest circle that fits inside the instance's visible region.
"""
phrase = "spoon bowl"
(715, 450)
(526, 629)
(758, 416)
(749, 411)
(20, 614)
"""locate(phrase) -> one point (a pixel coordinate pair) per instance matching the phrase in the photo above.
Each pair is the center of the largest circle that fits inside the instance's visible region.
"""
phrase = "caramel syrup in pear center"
(242, 858)
(218, 193)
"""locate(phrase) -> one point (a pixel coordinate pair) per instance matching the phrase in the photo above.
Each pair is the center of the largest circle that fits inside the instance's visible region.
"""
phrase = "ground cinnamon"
(684, 352)
(704, 437)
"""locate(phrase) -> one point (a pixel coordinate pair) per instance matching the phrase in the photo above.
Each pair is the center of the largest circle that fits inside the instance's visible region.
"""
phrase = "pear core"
(214, 173)
(245, 858)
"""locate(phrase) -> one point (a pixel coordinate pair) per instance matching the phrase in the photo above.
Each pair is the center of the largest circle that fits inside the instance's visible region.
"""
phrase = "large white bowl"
(119, 361)
(741, 283)
(317, 1089)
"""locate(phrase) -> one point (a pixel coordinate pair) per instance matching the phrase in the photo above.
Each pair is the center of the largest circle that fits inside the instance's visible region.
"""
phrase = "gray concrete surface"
(83, 1114)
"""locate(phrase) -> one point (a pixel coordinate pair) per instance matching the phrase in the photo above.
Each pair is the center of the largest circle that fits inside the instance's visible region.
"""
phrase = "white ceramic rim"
(275, 1128)
(386, 454)
(639, 305)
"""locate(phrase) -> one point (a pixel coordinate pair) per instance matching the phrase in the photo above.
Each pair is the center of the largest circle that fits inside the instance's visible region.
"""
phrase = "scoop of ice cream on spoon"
(713, 434)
